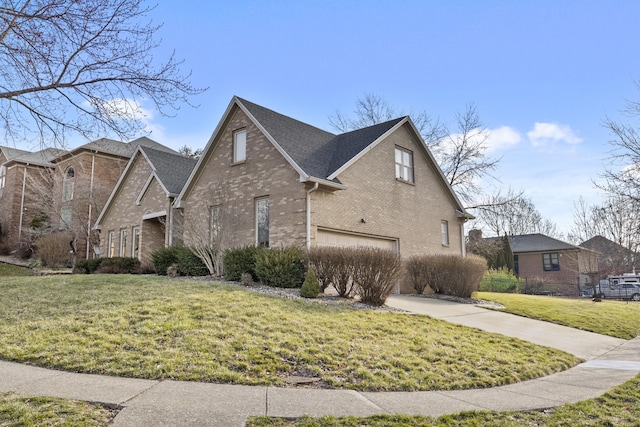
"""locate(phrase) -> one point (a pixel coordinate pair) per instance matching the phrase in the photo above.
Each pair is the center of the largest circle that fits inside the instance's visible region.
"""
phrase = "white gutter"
(24, 182)
(311, 190)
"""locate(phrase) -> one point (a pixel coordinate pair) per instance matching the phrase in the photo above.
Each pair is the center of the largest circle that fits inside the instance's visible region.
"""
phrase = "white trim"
(144, 189)
(154, 215)
(323, 182)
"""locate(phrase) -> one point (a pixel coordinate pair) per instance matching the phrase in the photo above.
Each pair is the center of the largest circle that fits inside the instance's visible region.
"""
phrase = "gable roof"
(538, 243)
(171, 170)
(11, 153)
(317, 155)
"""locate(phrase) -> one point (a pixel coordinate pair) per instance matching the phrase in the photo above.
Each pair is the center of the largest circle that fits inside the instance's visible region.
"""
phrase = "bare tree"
(622, 177)
(190, 152)
(513, 213)
(616, 220)
(461, 153)
(82, 67)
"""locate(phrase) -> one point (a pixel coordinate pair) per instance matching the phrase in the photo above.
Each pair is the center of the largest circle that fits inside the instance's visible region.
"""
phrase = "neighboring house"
(20, 172)
(614, 259)
(66, 190)
(84, 179)
(138, 217)
(540, 257)
(269, 180)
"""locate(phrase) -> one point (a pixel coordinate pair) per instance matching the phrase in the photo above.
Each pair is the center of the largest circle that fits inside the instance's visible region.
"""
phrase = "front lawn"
(44, 411)
(618, 407)
(13, 270)
(153, 327)
(615, 318)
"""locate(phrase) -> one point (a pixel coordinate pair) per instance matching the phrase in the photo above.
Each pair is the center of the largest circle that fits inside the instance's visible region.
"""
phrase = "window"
(215, 225)
(444, 231)
(404, 165)
(66, 215)
(3, 177)
(67, 184)
(550, 262)
(111, 249)
(123, 242)
(135, 242)
(239, 146)
(262, 222)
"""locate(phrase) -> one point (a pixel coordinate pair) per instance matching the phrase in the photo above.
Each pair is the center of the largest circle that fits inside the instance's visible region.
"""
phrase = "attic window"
(239, 146)
(404, 165)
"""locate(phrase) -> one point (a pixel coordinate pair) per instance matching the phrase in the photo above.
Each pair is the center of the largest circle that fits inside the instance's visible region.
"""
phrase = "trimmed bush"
(280, 267)
(88, 266)
(241, 260)
(189, 264)
(119, 265)
(455, 275)
(162, 258)
(375, 274)
(54, 250)
(310, 288)
(501, 280)
(417, 273)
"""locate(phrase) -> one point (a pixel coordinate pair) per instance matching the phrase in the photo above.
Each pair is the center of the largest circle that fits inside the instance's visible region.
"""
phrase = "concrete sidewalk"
(177, 403)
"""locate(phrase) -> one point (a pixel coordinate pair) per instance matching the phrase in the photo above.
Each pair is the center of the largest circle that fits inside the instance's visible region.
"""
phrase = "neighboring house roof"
(117, 148)
(40, 158)
(538, 243)
(317, 155)
(171, 170)
(603, 245)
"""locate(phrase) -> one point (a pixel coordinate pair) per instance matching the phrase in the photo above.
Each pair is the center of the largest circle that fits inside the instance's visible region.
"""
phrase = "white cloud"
(550, 134)
(502, 137)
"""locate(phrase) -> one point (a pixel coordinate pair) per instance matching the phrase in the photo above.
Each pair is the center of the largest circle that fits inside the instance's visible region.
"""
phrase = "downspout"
(170, 210)
(311, 190)
(462, 244)
(93, 160)
(24, 182)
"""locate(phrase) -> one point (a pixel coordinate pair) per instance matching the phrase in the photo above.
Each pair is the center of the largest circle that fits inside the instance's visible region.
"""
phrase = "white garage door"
(337, 238)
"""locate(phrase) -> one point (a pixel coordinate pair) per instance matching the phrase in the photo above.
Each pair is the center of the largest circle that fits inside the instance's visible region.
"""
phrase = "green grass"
(150, 327)
(18, 411)
(615, 318)
(13, 270)
(618, 407)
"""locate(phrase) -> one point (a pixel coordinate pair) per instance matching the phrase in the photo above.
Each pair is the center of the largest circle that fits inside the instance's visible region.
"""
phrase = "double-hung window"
(404, 164)
(262, 222)
(135, 242)
(550, 262)
(239, 146)
(111, 249)
(123, 242)
(67, 184)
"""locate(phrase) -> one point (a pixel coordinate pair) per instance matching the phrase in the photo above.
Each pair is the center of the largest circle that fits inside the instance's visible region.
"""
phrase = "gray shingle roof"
(123, 149)
(317, 152)
(11, 153)
(172, 170)
(40, 158)
(538, 243)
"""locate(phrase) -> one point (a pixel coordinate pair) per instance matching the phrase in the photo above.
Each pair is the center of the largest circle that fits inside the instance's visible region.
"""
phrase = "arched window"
(67, 184)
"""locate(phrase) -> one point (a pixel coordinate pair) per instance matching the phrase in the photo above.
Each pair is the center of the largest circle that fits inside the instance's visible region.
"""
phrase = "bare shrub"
(455, 275)
(54, 250)
(246, 279)
(375, 273)
(417, 273)
(319, 258)
(341, 265)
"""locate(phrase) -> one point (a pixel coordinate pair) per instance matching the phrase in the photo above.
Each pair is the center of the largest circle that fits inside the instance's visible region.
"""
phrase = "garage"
(342, 239)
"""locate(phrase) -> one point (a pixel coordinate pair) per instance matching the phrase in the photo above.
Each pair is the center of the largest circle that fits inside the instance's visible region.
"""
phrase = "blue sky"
(543, 74)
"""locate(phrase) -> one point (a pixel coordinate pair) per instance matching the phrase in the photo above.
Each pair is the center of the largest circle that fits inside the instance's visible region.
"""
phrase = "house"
(65, 190)
(138, 216)
(20, 172)
(270, 180)
(614, 259)
(84, 179)
(540, 257)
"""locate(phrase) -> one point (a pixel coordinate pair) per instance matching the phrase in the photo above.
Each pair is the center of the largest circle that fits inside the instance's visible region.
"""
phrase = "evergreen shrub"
(280, 267)
(241, 260)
